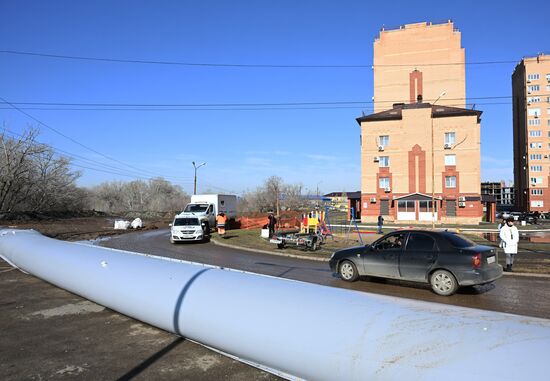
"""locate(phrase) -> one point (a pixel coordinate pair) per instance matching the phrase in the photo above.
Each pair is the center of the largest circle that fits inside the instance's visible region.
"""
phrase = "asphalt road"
(49, 333)
(512, 294)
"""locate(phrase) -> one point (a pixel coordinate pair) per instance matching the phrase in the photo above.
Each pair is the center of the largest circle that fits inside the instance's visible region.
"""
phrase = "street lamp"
(195, 183)
(433, 164)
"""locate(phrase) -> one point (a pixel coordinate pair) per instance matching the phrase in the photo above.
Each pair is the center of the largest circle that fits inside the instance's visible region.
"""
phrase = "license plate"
(490, 259)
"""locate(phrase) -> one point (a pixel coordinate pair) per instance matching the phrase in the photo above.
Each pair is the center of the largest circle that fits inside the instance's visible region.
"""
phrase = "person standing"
(272, 222)
(221, 220)
(380, 223)
(510, 237)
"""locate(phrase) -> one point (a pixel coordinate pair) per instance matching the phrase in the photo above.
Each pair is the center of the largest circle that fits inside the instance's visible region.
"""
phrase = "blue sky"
(318, 147)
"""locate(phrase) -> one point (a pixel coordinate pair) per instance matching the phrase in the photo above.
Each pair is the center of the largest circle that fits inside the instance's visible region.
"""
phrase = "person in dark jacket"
(380, 223)
(272, 221)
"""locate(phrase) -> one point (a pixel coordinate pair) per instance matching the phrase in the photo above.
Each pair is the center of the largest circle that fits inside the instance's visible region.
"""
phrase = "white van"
(188, 227)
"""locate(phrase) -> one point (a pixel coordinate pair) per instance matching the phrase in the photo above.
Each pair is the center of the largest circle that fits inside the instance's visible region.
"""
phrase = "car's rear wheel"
(443, 283)
(348, 271)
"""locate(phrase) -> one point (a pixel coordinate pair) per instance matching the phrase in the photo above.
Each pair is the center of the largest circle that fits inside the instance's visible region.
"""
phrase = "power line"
(252, 65)
(249, 104)
(71, 139)
(103, 167)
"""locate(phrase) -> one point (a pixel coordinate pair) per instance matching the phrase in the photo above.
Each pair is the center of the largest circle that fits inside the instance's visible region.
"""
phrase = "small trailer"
(305, 241)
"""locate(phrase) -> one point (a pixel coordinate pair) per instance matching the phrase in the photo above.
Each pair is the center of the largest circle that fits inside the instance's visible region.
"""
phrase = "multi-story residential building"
(414, 151)
(421, 58)
(531, 112)
(504, 196)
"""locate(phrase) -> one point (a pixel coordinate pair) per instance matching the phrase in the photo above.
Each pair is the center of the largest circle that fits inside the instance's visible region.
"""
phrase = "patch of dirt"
(79, 228)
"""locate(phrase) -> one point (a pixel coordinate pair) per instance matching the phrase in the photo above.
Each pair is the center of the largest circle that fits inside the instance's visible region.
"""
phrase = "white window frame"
(533, 77)
(533, 122)
(384, 182)
(533, 112)
(532, 88)
(537, 204)
(450, 160)
(450, 138)
(450, 181)
(384, 161)
(384, 140)
(536, 192)
(536, 180)
(535, 133)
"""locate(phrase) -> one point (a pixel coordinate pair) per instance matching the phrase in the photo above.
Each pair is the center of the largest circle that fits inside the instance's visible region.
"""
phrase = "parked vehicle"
(207, 206)
(517, 215)
(306, 241)
(188, 227)
(443, 259)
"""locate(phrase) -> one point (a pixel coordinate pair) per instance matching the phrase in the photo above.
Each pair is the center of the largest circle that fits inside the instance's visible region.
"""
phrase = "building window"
(533, 99)
(535, 168)
(533, 77)
(536, 133)
(548, 77)
(537, 203)
(384, 161)
(536, 192)
(533, 88)
(548, 111)
(535, 156)
(548, 122)
(533, 122)
(384, 182)
(536, 180)
(384, 140)
(450, 138)
(450, 159)
(536, 144)
(547, 87)
(450, 181)
(533, 111)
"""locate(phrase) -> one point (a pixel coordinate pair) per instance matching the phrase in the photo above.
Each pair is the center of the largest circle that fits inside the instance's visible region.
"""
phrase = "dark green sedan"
(443, 259)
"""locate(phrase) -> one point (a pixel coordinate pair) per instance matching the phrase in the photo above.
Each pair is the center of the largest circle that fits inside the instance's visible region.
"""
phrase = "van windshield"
(196, 208)
(186, 222)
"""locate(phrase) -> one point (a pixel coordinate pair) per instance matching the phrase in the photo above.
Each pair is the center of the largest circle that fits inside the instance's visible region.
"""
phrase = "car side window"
(393, 242)
(420, 242)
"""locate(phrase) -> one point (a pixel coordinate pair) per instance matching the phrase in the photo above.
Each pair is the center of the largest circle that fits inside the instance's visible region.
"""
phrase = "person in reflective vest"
(221, 221)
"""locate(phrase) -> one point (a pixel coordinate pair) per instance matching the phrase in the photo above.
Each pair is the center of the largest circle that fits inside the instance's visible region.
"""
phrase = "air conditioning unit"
(380, 148)
(387, 189)
(461, 204)
(377, 158)
(448, 146)
(373, 199)
(528, 81)
(462, 198)
(528, 92)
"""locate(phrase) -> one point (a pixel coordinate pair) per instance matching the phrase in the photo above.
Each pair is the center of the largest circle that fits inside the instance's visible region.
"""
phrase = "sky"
(271, 126)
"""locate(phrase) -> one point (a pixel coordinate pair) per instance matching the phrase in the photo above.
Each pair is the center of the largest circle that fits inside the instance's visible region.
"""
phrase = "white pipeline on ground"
(293, 329)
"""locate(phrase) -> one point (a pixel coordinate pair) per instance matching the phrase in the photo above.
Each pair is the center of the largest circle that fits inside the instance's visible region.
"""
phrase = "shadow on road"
(151, 360)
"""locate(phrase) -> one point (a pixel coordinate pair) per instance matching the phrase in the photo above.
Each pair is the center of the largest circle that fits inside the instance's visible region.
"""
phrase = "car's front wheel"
(443, 283)
(348, 271)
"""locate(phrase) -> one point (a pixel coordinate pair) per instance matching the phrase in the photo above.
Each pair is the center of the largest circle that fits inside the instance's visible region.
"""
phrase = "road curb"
(527, 275)
(268, 252)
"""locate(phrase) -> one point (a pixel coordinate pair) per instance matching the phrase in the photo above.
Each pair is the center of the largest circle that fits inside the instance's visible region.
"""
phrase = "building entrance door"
(406, 210)
(425, 211)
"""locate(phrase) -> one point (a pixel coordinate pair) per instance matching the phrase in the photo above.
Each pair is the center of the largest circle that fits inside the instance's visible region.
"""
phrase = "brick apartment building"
(531, 113)
(412, 123)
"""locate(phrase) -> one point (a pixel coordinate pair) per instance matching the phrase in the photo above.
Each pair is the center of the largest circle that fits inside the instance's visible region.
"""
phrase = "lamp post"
(433, 164)
(195, 182)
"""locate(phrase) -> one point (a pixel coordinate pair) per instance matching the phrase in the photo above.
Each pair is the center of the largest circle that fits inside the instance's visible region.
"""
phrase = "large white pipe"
(295, 329)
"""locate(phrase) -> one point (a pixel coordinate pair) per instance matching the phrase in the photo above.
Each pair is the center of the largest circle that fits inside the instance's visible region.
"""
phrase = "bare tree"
(33, 177)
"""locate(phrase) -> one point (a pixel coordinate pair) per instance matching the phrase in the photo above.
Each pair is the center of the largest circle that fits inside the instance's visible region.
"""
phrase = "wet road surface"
(511, 294)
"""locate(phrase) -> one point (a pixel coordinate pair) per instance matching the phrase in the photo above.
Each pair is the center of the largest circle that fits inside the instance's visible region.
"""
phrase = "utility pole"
(195, 182)
(433, 164)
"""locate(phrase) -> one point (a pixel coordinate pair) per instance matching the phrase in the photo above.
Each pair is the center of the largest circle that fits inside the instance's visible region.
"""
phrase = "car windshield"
(186, 222)
(458, 240)
(196, 208)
